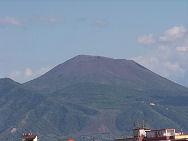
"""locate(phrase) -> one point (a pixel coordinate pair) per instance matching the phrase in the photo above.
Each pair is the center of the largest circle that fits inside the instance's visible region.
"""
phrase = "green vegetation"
(88, 95)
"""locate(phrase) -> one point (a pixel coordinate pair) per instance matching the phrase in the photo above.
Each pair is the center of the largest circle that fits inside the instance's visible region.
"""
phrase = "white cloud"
(99, 22)
(1, 75)
(9, 20)
(182, 48)
(148, 62)
(163, 67)
(28, 72)
(170, 57)
(163, 47)
(52, 19)
(174, 68)
(43, 70)
(173, 33)
(48, 19)
(15, 74)
(146, 39)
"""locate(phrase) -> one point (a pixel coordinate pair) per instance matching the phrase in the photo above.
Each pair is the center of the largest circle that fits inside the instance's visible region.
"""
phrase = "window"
(170, 132)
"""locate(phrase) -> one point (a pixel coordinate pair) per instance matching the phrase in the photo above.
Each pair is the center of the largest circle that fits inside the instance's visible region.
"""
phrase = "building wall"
(36, 139)
(181, 137)
(140, 132)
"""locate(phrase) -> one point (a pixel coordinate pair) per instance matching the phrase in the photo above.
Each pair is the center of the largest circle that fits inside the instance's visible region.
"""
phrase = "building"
(145, 134)
(29, 137)
(138, 134)
(165, 134)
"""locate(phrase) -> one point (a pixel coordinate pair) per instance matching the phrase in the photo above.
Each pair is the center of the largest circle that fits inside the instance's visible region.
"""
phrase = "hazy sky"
(37, 35)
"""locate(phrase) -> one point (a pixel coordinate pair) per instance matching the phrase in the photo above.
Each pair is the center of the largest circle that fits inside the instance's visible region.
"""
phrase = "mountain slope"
(7, 85)
(92, 95)
(22, 109)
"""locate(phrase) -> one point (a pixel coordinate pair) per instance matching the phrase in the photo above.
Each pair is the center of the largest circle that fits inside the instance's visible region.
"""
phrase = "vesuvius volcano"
(89, 95)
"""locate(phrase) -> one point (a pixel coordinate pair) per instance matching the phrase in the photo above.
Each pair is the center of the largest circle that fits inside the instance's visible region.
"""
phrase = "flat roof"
(162, 129)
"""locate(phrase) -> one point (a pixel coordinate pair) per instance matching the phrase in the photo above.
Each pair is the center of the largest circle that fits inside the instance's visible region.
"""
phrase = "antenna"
(143, 124)
(181, 131)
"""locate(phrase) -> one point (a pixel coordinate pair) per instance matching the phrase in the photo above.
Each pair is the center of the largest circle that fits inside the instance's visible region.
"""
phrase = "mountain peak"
(81, 56)
(7, 83)
(90, 59)
(90, 56)
(98, 69)
(7, 80)
(84, 65)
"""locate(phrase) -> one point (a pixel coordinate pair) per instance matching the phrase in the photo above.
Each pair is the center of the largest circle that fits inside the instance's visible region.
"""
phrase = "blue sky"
(39, 34)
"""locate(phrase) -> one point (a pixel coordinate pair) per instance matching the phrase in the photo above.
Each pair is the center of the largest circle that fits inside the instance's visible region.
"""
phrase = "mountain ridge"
(84, 65)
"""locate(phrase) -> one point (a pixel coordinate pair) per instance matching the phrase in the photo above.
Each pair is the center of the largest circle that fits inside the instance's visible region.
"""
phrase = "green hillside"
(91, 95)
